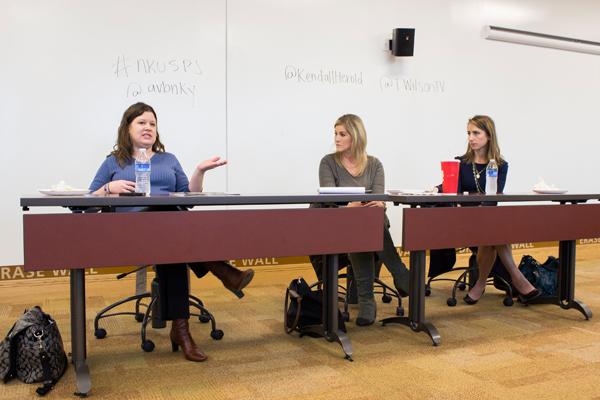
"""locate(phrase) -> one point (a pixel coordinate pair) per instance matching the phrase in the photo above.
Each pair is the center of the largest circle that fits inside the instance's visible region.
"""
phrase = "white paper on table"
(342, 190)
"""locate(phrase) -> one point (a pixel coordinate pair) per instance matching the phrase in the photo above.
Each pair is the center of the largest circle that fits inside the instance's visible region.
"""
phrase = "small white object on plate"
(543, 188)
(63, 189)
(62, 186)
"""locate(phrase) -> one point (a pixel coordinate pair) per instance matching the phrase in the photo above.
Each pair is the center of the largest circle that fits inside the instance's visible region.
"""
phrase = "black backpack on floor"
(304, 307)
(33, 351)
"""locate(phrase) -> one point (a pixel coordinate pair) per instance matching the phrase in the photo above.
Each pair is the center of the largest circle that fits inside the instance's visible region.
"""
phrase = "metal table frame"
(565, 298)
(80, 204)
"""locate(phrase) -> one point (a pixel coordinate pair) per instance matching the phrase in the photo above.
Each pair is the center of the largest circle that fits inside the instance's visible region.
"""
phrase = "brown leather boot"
(180, 336)
(232, 278)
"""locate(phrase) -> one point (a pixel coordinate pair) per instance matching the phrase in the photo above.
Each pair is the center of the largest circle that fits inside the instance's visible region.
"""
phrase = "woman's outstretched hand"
(211, 163)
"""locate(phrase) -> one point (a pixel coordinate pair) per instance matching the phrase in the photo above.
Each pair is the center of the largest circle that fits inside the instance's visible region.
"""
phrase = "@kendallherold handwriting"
(323, 76)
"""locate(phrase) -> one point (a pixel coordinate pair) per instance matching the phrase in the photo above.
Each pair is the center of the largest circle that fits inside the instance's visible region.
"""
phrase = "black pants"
(389, 256)
(173, 285)
(174, 289)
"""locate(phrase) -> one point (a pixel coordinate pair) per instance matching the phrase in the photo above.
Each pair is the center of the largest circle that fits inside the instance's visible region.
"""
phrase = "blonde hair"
(487, 125)
(358, 149)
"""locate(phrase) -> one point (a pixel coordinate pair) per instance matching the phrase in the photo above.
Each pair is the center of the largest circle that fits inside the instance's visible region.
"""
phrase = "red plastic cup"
(450, 172)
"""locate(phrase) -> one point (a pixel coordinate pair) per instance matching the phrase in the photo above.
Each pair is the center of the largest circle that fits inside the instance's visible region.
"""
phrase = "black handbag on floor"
(304, 307)
(33, 351)
(543, 277)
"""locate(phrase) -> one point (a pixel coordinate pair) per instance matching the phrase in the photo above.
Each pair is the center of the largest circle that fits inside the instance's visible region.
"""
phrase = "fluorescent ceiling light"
(491, 32)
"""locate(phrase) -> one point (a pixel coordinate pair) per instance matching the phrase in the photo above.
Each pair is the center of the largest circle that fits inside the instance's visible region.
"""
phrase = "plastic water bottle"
(491, 177)
(142, 172)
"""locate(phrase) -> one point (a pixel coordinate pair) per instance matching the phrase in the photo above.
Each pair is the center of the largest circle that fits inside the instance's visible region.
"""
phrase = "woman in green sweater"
(351, 166)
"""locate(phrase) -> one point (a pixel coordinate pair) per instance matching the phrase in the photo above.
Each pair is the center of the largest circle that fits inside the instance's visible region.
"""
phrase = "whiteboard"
(75, 66)
(261, 82)
(290, 79)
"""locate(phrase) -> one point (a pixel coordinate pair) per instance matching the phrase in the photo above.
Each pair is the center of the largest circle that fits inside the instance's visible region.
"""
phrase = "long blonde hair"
(358, 149)
(487, 125)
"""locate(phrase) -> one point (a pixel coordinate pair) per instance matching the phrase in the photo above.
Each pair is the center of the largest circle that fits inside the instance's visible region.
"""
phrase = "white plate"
(72, 192)
(409, 191)
(550, 191)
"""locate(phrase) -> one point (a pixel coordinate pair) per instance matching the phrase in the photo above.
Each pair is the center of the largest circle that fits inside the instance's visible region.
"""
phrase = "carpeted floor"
(488, 351)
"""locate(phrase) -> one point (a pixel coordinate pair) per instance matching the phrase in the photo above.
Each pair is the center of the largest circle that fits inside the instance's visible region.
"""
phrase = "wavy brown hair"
(123, 149)
(355, 127)
(487, 125)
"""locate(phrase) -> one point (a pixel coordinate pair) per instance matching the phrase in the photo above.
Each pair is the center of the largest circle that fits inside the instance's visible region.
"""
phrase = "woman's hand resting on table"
(121, 186)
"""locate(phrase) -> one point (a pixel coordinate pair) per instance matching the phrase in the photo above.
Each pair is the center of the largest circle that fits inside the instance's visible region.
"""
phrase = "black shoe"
(526, 298)
(471, 301)
(360, 321)
(467, 299)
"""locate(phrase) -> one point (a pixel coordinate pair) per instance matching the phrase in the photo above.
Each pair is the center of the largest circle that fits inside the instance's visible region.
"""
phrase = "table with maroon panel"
(84, 239)
(446, 221)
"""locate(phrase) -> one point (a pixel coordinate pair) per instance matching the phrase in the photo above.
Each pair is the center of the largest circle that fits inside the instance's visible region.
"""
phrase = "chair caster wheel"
(147, 346)
(428, 291)
(386, 298)
(451, 301)
(508, 301)
(462, 286)
(399, 311)
(100, 333)
(139, 317)
(217, 334)
(204, 318)
(346, 316)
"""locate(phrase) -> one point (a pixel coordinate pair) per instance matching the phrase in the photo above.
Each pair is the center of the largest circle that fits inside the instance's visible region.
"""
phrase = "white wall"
(61, 97)
(415, 109)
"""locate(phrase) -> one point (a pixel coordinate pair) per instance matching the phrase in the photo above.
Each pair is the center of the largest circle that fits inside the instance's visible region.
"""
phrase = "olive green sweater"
(331, 174)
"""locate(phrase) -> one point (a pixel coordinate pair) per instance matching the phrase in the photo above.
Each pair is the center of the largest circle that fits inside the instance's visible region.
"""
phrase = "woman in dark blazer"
(483, 147)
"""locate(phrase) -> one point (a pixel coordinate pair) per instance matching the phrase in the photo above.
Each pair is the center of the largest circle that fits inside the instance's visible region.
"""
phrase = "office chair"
(347, 294)
(152, 310)
(442, 261)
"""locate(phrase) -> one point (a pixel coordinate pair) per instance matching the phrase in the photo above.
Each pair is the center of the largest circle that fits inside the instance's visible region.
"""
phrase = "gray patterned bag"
(33, 351)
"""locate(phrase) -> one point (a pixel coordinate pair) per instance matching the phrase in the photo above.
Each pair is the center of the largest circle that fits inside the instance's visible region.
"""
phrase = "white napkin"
(542, 185)
(62, 186)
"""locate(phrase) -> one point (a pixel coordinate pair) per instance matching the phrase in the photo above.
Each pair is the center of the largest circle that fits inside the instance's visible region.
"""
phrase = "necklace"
(477, 175)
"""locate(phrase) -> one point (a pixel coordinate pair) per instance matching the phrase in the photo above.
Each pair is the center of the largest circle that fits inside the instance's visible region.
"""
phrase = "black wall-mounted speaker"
(403, 42)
